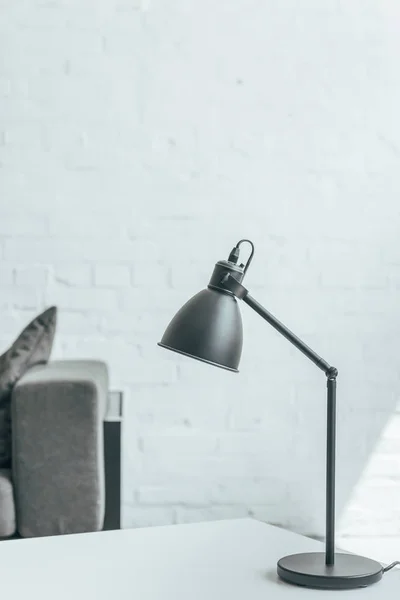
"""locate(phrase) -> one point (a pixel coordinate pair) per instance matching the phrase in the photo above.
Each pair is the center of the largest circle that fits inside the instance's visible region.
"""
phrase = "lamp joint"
(332, 373)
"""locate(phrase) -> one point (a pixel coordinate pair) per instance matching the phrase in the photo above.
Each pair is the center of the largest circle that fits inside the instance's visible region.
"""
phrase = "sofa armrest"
(57, 413)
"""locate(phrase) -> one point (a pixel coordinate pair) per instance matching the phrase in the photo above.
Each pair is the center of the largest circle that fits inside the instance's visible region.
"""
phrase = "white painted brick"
(131, 322)
(216, 513)
(6, 275)
(370, 522)
(31, 55)
(389, 446)
(194, 371)
(213, 466)
(192, 277)
(275, 514)
(127, 5)
(392, 428)
(244, 443)
(369, 279)
(24, 297)
(115, 352)
(73, 323)
(34, 275)
(190, 408)
(112, 275)
(4, 344)
(57, 350)
(149, 516)
(82, 299)
(150, 274)
(141, 372)
(98, 226)
(38, 39)
(393, 276)
(173, 495)
(11, 323)
(143, 251)
(5, 87)
(380, 493)
(185, 229)
(384, 465)
(18, 137)
(65, 250)
(242, 490)
(178, 444)
(73, 274)
(22, 225)
(144, 301)
(256, 415)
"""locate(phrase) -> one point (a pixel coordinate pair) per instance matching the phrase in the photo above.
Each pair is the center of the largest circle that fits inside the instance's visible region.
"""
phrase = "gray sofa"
(57, 483)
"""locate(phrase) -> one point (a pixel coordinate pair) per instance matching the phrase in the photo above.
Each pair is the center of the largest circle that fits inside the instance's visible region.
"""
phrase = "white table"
(223, 560)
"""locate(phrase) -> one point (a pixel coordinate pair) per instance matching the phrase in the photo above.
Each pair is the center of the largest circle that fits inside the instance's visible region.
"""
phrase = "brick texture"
(133, 155)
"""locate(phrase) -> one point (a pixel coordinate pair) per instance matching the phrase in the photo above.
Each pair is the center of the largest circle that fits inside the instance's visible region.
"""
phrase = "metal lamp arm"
(230, 284)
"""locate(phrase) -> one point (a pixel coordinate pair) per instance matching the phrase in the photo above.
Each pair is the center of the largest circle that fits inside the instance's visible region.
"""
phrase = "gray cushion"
(32, 347)
(7, 509)
(58, 453)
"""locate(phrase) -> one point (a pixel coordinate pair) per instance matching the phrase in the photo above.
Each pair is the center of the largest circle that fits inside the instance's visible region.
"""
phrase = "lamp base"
(349, 571)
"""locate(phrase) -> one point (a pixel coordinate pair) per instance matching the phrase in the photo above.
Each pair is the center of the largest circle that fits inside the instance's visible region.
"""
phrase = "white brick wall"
(138, 142)
(112, 276)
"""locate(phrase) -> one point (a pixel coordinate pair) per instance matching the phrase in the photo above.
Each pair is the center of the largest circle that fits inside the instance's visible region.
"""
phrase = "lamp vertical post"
(330, 472)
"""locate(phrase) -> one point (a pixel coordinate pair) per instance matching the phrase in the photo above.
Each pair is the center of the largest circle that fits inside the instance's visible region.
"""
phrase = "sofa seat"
(7, 507)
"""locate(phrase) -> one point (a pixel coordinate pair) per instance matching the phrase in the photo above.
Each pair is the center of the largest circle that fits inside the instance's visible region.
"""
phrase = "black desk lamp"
(209, 328)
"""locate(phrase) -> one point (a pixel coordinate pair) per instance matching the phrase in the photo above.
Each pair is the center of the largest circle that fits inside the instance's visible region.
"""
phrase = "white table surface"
(223, 560)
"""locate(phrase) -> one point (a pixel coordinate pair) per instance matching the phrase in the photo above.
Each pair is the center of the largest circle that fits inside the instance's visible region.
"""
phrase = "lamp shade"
(209, 328)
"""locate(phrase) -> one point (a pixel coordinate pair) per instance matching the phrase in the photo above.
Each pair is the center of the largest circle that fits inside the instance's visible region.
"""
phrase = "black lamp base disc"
(349, 571)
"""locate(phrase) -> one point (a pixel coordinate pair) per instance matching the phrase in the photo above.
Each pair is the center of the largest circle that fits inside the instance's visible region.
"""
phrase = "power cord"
(393, 564)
